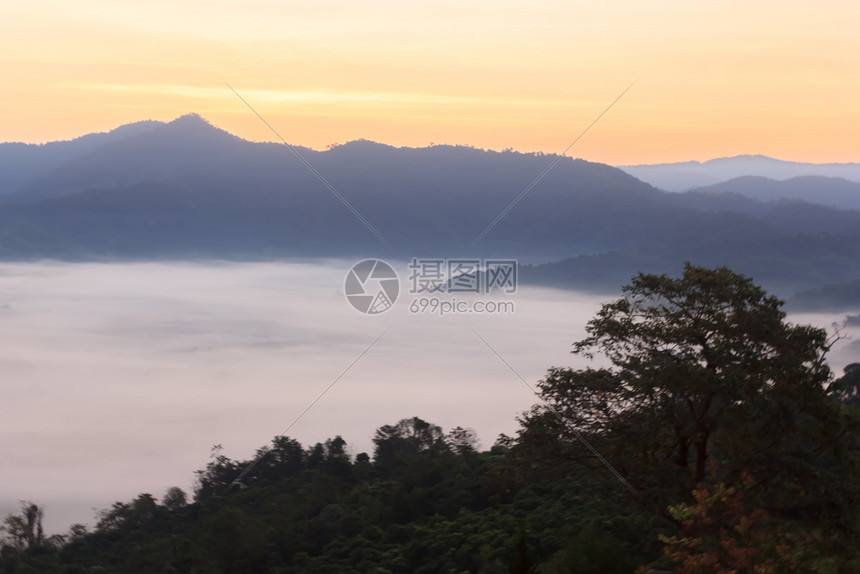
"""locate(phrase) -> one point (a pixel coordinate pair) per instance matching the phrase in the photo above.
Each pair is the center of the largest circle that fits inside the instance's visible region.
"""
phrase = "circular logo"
(371, 286)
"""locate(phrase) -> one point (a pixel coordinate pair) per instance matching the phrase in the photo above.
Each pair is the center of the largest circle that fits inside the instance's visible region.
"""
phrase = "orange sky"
(713, 78)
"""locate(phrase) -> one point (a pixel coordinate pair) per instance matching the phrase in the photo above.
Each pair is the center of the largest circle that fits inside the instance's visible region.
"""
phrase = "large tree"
(703, 375)
(24, 530)
(408, 437)
(847, 388)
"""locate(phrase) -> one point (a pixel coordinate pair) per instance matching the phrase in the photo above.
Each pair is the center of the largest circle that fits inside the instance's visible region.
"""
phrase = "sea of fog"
(117, 379)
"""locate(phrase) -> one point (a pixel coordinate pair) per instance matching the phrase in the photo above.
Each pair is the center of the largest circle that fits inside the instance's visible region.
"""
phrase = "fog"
(117, 379)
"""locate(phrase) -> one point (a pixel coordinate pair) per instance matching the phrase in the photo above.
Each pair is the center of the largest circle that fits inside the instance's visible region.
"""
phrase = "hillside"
(829, 191)
(688, 175)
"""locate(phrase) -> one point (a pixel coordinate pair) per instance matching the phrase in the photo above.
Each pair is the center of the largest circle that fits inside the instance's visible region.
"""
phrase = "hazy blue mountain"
(831, 191)
(693, 174)
(21, 164)
(186, 189)
(785, 264)
(785, 214)
(828, 298)
(189, 188)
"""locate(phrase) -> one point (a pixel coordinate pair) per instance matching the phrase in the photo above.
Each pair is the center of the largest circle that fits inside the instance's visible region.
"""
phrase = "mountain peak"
(194, 125)
(190, 119)
(192, 122)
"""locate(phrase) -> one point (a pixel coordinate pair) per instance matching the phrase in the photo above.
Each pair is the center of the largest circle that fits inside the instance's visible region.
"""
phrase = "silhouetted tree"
(462, 440)
(316, 456)
(847, 387)
(24, 530)
(174, 498)
(409, 436)
(691, 357)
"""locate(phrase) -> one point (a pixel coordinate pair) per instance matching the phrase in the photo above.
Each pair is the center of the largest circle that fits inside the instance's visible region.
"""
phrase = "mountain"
(785, 264)
(828, 298)
(186, 189)
(693, 174)
(21, 164)
(831, 191)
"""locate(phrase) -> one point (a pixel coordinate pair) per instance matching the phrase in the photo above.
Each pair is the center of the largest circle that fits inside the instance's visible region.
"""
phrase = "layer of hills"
(684, 176)
(186, 189)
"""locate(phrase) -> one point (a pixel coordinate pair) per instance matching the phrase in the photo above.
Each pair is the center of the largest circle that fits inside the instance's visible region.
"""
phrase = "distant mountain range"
(689, 175)
(830, 191)
(186, 189)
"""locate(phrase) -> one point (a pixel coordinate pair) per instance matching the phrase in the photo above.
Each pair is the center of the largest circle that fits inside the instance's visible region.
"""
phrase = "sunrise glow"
(713, 79)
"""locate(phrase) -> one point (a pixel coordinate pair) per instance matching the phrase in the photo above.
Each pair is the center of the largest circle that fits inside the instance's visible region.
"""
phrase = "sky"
(712, 78)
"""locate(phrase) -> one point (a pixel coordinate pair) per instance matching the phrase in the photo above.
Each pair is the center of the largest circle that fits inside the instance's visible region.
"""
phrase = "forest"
(715, 440)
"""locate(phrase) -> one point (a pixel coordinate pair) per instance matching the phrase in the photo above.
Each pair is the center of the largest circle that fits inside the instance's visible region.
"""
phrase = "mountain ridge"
(187, 189)
(684, 176)
(830, 191)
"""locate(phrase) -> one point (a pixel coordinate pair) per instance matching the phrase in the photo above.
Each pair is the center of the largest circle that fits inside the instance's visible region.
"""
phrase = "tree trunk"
(701, 457)
(683, 452)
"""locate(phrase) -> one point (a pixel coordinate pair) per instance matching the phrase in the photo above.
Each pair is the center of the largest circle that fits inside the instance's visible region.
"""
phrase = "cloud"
(118, 378)
(327, 97)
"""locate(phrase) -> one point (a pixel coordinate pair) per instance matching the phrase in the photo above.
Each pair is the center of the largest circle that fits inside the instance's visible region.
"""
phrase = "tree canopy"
(691, 357)
(706, 381)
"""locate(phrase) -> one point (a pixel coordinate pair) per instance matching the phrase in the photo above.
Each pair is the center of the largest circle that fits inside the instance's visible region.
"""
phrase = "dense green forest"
(717, 440)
